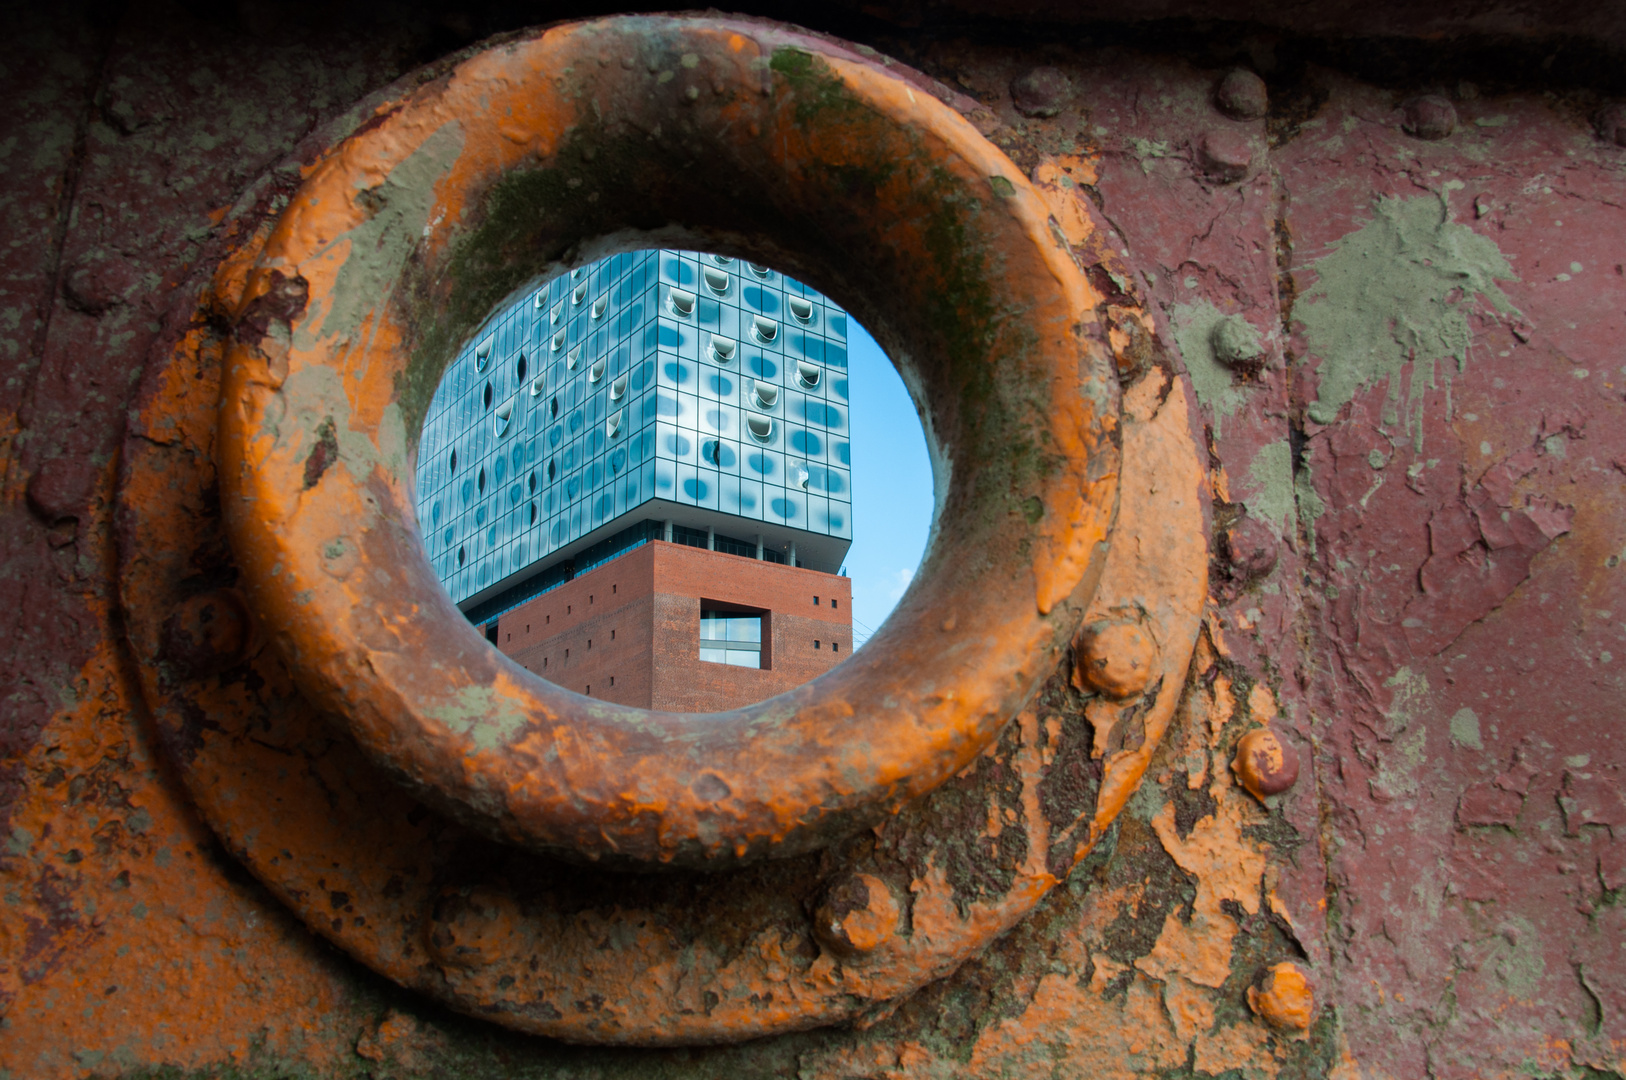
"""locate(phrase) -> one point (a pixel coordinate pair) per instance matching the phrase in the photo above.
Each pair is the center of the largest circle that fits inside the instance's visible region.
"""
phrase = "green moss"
(816, 88)
(483, 270)
(1393, 296)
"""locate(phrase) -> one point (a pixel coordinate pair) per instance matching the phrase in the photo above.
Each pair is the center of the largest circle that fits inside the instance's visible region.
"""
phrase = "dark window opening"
(555, 408)
(815, 601)
(488, 395)
(491, 632)
(589, 689)
(612, 635)
(460, 556)
(454, 461)
(481, 483)
(519, 369)
(533, 482)
(815, 643)
(833, 602)
(835, 646)
(612, 680)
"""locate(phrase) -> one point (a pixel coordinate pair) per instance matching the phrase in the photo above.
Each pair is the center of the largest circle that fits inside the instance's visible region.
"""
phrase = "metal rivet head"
(1241, 95)
(857, 915)
(1284, 998)
(1041, 92)
(1429, 117)
(472, 928)
(1265, 764)
(1236, 344)
(1225, 155)
(208, 632)
(1611, 124)
(1115, 658)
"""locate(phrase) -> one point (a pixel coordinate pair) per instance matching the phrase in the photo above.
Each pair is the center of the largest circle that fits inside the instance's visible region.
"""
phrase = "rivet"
(470, 928)
(857, 915)
(1115, 658)
(1611, 124)
(1041, 92)
(1429, 117)
(1284, 999)
(1236, 344)
(1264, 764)
(1225, 155)
(1250, 550)
(1241, 95)
(208, 632)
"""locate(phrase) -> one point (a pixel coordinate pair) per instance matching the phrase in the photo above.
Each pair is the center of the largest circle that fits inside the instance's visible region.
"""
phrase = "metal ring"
(546, 151)
(593, 955)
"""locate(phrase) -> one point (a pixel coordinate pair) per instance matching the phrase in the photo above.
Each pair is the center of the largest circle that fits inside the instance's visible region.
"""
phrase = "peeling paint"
(1392, 297)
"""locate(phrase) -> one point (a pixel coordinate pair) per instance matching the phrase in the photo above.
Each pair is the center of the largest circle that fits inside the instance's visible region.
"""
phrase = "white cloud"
(901, 580)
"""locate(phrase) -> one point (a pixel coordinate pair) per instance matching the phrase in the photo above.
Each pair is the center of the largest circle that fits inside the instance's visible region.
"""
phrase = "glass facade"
(664, 385)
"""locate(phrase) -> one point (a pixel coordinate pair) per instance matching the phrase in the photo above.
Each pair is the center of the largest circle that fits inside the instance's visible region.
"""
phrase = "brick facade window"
(731, 638)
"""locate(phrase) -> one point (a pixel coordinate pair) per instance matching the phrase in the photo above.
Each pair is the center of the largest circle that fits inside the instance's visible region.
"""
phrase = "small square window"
(815, 601)
(835, 646)
(815, 643)
(833, 602)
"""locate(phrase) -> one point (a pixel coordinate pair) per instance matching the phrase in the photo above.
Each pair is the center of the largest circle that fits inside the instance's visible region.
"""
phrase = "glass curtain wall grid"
(657, 377)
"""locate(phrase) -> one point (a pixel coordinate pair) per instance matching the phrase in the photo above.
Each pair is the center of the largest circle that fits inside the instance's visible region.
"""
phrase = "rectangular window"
(835, 646)
(727, 637)
(815, 601)
(833, 602)
(815, 643)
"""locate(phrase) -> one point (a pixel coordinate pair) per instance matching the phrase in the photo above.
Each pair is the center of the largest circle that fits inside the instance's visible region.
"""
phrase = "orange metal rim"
(557, 148)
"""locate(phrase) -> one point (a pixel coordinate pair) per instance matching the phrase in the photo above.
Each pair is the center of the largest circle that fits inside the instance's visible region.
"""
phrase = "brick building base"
(629, 631)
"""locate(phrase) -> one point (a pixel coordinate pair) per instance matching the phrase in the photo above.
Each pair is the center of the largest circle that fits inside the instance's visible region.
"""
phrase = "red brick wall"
(636, 620)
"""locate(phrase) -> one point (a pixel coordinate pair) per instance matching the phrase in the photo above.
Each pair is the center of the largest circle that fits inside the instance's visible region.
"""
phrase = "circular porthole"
(1031, 426)
(998, 335)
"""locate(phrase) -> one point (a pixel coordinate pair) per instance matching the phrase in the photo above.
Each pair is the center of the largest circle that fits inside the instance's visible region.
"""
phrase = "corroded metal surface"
(1445, 875)
(738, 136)
(670, 958)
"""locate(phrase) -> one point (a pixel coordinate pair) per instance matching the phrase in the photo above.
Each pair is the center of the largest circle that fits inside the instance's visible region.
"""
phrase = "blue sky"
(892, 484)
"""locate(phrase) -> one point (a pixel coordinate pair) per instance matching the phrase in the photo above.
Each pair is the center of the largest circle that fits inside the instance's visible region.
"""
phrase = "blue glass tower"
(652, 395)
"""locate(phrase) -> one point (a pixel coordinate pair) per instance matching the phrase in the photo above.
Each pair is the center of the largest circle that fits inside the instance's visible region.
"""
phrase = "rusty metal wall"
(1391, 275)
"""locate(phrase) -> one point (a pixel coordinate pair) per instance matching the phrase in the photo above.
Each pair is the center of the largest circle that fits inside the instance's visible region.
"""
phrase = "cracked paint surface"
(1450, 868)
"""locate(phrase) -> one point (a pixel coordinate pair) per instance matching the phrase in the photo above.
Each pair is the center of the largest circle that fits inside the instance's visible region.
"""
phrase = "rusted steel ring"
(550, 150)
